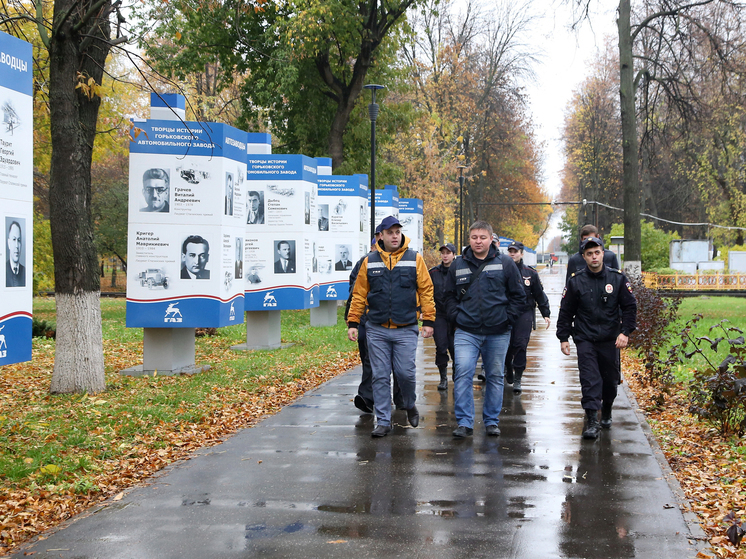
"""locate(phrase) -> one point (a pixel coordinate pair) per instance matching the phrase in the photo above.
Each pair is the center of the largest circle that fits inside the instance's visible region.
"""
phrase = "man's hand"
(621, 341)
(565, 347)
(427, 331)
(352, 334)
(548, 321)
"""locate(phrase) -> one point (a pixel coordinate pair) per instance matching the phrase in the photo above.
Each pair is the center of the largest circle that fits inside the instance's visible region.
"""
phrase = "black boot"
(517, 376)
(509, 374)
(443, 378)
(606, 416)
(592, 427)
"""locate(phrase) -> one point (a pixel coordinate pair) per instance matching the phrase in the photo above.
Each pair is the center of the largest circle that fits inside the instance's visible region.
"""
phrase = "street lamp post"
(460, 239)
(373, 114)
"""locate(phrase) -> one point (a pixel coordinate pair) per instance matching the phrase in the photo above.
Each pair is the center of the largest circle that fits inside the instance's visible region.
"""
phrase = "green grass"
(713, 310)
(78, 434)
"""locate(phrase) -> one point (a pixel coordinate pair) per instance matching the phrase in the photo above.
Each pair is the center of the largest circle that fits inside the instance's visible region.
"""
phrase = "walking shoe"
(443, 385)
(413, 416)
(362, 405)
(381, 431)
(592, 428)
(492, 431)
(481, 377)
(461, 432)
(517, 376)
(508, 375)
(606, 416)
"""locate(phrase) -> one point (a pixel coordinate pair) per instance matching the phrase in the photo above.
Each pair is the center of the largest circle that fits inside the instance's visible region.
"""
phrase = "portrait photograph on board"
(343, 258)
(239, 259)
(284, 257)
(195, 254)
(255, 207)
(323, 217)
(307, 213)
(229, 194)
(15, 262)
(156, 191)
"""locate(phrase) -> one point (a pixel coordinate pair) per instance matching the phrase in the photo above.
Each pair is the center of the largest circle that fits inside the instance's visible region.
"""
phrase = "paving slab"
(311, 482)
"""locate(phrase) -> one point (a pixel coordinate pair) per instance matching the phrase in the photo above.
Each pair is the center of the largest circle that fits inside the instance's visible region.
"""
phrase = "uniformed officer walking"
(589, 312)
(576, 261)
(443, 331)
(515, 360)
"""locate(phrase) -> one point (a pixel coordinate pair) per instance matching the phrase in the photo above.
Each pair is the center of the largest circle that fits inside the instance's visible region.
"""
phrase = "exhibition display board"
(16, 199)
(187, 216)
(410, 217)
(279, 227)
(337, 247)
(387, 203)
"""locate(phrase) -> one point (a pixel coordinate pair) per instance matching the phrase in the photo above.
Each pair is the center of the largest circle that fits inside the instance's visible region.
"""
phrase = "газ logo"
(173, 314)
(331, 292)
(233, 312)
(269, 300)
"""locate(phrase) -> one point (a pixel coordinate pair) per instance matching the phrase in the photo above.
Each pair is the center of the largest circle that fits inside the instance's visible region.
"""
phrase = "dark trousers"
(365, 388)
(519, 338)
(443, 336)
(598, 364)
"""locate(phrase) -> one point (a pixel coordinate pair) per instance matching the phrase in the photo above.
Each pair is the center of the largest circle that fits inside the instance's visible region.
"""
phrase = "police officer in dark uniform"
(443, 330)
(515, 360)
(576, 261)
(589, 312)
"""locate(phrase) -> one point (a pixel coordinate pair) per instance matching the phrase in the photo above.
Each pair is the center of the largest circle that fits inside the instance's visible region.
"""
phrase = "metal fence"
(694, 282)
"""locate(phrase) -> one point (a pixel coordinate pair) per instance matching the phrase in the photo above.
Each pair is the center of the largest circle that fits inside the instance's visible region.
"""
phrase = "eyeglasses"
(158, 189)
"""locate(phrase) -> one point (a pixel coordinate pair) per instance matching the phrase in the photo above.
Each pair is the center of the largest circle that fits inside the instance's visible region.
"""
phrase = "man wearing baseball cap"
(576, 261)
(589, 312)
(443, 330)
(515, 360)
(393, 282)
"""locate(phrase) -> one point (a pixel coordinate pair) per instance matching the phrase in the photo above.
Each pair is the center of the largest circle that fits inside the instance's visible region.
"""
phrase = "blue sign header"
(281, 167)
(171, 137)
(331, 185)
(410, 206)
(16, 64)
(387, 197)
(172, 100)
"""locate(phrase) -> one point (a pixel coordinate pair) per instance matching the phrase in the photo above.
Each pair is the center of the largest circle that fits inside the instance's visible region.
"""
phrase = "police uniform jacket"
(590, 306)
(494, 300)
(395, 286)
(577, 263)
(439, 275)
(534, 290)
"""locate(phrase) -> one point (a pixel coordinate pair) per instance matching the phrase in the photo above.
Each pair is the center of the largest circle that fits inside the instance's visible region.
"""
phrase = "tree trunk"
(79, 361)
(630, 178)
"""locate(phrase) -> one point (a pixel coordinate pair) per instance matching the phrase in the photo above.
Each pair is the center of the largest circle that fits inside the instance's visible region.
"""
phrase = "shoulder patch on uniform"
(629, 287)
(564, 292)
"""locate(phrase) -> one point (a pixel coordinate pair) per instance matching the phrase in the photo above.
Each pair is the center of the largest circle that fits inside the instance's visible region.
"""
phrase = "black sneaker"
(362, 404)
(462, 432)
(413, 416)
(492, 431)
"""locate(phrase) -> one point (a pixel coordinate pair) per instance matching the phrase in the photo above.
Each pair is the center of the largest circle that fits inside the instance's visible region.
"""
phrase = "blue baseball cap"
(387, 223)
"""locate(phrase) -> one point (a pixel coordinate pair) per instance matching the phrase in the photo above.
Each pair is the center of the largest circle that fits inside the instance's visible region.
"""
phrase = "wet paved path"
(310, 482)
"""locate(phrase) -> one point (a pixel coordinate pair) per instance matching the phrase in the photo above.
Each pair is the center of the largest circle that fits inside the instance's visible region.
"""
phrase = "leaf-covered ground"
(711, 469)
(62, 454)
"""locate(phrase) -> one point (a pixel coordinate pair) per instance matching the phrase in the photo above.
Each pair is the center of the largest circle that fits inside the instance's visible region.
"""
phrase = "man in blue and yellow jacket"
(395, 285)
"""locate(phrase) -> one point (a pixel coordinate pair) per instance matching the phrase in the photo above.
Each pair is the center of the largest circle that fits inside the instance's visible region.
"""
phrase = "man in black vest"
(484, 297)
(393, 282)
(515, 361)
(589, 312)
(576, 262)
(443, 331)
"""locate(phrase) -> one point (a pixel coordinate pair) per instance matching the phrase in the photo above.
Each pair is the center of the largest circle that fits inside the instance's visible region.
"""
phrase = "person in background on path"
(443, 331)
(484, 297)
(515, 361)
(577, 262)
(364, 398)
(394, 281)
(589, 312)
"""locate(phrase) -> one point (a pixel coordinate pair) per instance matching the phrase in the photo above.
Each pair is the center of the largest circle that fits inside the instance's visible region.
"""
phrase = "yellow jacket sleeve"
(425, 292)
(359, 296)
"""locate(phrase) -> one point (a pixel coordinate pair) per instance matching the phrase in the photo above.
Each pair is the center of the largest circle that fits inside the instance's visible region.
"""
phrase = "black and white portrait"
(195, 254)
(156, 190)
(255, 207)
(229, 194)
(15, 263)
(308, 208)
(343, 258)
(323, 217)
(239, 258)
(284, 257)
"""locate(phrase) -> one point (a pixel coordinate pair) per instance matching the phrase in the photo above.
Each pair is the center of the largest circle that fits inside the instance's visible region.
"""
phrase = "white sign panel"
(16, 199)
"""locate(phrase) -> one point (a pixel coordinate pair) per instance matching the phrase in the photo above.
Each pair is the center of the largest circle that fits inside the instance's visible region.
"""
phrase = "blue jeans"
(392, 350)
(493, 349)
